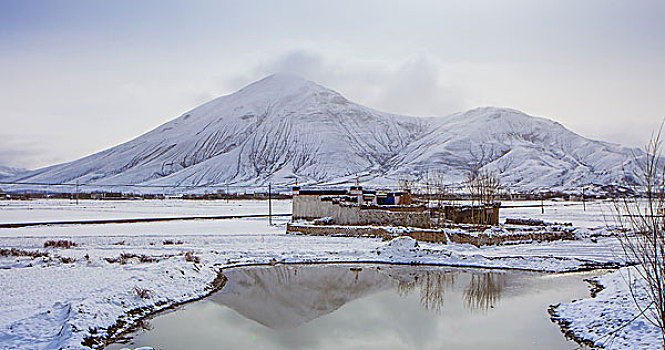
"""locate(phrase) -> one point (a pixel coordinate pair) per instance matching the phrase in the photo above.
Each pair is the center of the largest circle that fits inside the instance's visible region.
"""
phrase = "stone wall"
(386, 233)
(431, 235)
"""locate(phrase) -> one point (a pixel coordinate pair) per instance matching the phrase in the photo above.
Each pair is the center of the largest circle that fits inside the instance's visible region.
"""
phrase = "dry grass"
(20, 252)
(124, 258)
(172, 242)
(143, 293)
(60, 244)
(67, 260)
(190, 257)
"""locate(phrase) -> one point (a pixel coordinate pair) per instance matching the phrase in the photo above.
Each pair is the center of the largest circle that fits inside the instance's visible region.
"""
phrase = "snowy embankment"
(116, 274)
(610, 319)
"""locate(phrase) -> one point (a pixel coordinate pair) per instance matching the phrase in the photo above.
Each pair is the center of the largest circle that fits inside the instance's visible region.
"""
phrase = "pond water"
(370, 307)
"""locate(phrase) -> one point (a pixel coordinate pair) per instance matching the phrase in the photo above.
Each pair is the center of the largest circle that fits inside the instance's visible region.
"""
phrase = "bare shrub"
(20, 252)
(143, 293)
(144, 325)
(65, 244)
(124, 258)
(147, 259)
(190, 257)
(643, 236)
(67, 260)
(172, 242)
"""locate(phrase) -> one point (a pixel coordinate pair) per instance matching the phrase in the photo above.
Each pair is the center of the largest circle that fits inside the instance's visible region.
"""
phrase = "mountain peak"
(288, 78)
(281, 83)
(286, 89)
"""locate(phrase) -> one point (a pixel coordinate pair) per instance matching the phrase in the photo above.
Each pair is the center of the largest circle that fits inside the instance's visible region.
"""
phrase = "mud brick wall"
(432, 236)
(472, 215)
(484, 239)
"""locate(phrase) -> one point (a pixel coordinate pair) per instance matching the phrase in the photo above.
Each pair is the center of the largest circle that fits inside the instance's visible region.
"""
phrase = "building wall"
(312, 207)
(354, 215)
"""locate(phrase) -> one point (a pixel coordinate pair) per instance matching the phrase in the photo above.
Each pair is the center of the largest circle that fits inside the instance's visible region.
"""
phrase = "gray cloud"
(415, 85)
(21, 152)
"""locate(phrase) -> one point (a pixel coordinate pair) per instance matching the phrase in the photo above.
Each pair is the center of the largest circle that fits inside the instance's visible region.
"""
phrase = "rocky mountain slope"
(283, 127)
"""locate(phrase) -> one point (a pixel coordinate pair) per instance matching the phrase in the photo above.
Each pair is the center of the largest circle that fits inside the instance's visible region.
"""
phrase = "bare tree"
(439, 192)
(438, 187)
(643, 237)
(483, 185)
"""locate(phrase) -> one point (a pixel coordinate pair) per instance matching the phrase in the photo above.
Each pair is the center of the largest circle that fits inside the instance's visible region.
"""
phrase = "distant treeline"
(283, 195)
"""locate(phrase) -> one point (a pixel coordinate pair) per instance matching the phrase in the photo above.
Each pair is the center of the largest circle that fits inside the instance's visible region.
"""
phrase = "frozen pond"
(370, 307)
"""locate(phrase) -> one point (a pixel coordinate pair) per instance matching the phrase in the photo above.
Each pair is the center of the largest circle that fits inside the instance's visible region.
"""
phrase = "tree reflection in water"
(432, 286)
(484, 290)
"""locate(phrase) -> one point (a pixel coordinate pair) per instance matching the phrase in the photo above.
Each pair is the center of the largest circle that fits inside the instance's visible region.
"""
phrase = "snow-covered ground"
(46, 210)
(51, 302)
(606, 319)
(598, 213)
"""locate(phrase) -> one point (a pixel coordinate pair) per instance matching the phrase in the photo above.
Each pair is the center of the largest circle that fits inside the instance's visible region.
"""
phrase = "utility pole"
(228, 195)
(270, 204)
(542, 204)
(583, 199)
(77, 192)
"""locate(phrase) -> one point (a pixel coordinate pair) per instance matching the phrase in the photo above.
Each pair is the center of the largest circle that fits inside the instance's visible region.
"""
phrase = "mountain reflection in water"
(374, 307)
(287, 296)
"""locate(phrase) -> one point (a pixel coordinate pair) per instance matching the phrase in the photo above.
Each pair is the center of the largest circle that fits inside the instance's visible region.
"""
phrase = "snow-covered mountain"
(284, 127)
(272, 130)
(528, 152)
(6, 171)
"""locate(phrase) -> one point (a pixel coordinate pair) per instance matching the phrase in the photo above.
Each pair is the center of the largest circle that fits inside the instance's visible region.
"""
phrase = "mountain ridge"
(7, 171)
(282, 128)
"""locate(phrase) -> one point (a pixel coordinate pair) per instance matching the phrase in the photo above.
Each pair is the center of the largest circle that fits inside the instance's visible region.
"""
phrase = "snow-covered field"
(46, 210)
(118, 273)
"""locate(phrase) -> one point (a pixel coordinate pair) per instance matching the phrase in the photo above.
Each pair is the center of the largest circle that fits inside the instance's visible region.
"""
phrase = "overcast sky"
(80, 76)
